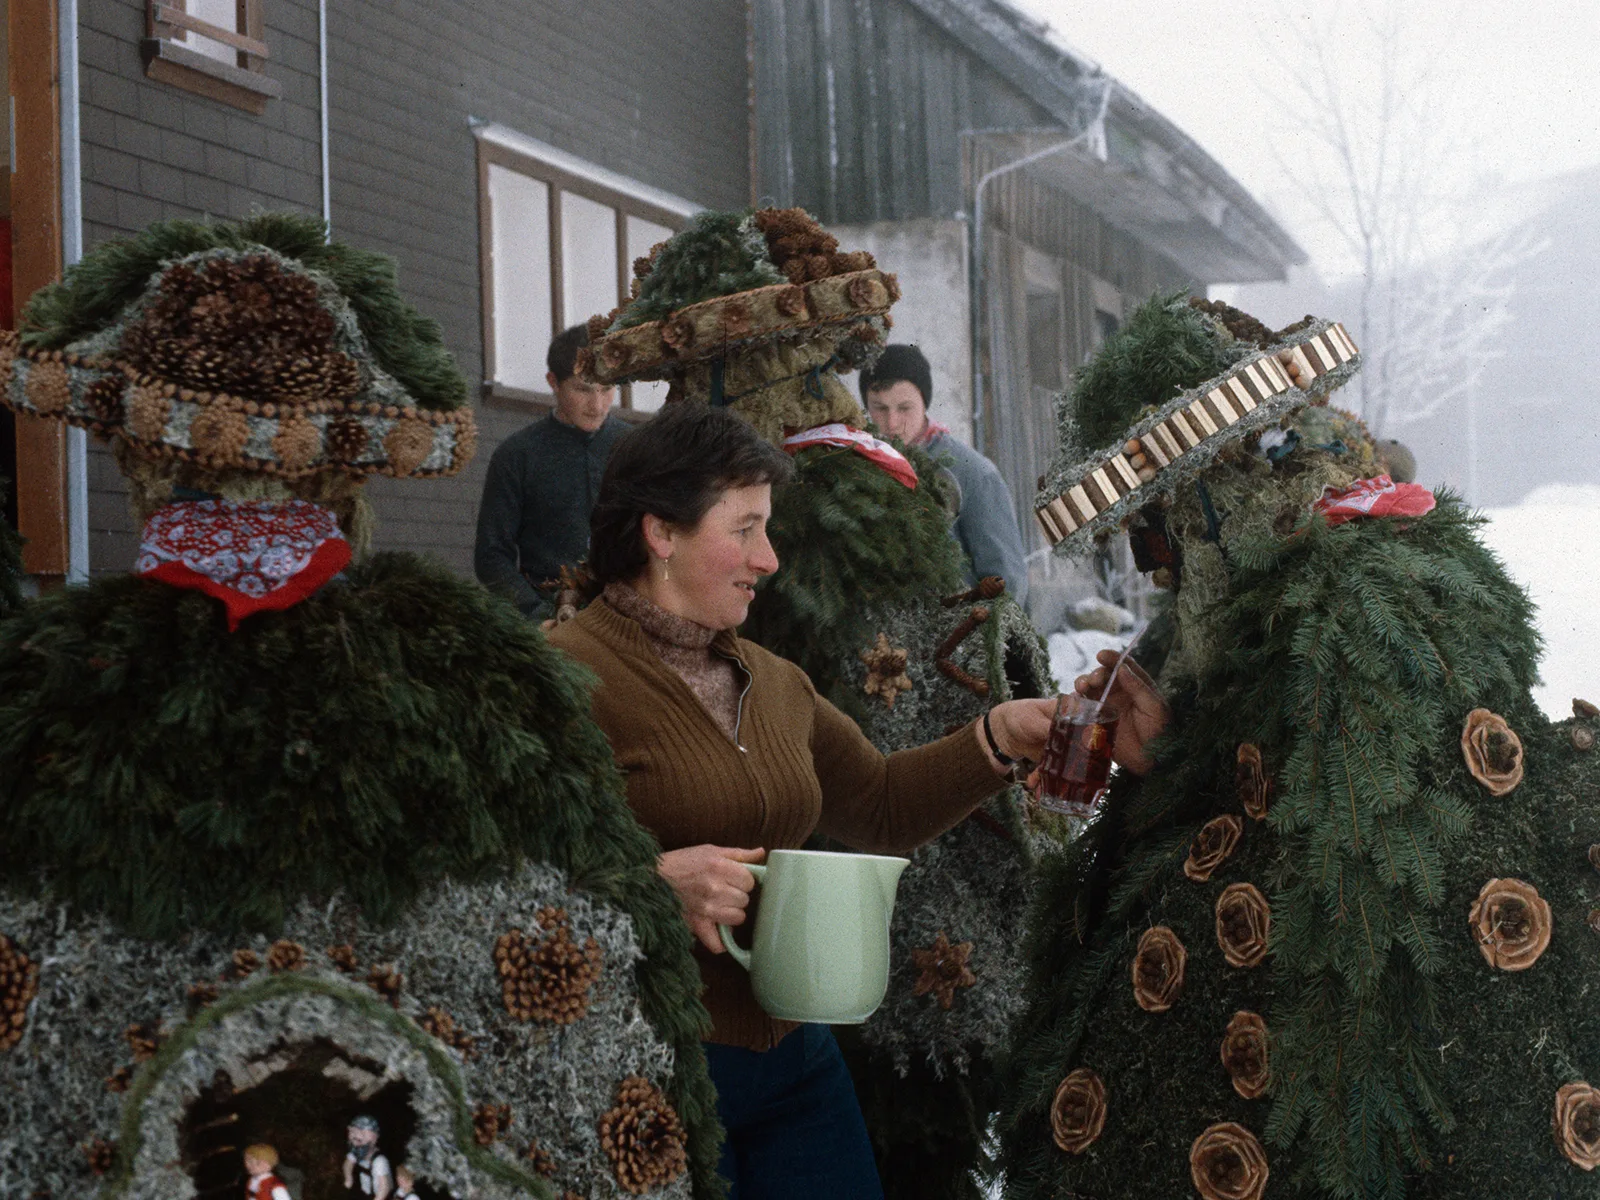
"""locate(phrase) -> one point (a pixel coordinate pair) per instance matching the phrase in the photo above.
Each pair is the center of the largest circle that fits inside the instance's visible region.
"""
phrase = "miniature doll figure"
(259, 1161)
(364, 1166)
(404, 1184)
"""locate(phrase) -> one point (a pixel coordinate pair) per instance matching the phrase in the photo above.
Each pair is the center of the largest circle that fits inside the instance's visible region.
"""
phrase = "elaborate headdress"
(254, 347)
(759, 311)
(1131, 441)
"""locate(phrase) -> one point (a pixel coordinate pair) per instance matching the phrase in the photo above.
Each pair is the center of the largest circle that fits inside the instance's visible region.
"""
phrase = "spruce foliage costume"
(277, 848)
(761, 311)
(1344, 934)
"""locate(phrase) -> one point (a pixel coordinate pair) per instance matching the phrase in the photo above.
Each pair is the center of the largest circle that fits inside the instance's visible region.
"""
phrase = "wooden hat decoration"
(1184, 434)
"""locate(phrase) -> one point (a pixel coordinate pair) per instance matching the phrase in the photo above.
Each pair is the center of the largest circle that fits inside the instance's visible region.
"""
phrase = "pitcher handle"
(740, 954)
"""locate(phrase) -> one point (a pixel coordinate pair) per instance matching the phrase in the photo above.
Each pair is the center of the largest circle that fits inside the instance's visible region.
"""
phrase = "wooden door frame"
(35, 261)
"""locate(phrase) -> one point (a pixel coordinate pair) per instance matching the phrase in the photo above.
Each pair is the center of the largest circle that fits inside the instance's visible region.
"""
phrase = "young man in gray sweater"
(896, 390)
(542, 482)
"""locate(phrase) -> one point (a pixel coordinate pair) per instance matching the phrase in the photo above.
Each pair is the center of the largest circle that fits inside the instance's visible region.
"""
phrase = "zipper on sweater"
(738, 719)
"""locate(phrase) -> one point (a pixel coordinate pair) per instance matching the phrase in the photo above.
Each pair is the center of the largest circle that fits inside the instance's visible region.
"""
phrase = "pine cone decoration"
(386, 981)
(643, 1138)
(285, 955)
(489, 1121)
(440, 1024)
(19, 984)
(117, 1082)
(144, 1038)
(100, 1154)
(244, 963)
(200, 994)
(243, 326)
(548, 979)
(345, 440)
(540, 1160)
(343, 958)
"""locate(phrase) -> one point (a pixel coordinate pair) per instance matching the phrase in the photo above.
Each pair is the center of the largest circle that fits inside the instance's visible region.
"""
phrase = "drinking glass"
(1077, 756)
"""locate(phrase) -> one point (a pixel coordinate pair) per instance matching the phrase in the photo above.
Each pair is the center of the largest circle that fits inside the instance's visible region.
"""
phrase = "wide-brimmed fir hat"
(758, 310)
(1097, 489)
(254, 346)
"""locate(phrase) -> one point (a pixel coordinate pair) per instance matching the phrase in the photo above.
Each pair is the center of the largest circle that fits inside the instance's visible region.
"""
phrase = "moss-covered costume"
(1385, 898)
(365, 854)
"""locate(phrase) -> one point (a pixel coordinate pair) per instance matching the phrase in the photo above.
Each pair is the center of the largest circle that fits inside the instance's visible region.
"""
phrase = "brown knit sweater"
(797, 766)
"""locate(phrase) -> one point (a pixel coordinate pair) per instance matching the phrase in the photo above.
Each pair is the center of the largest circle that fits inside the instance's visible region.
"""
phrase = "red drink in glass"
(1077, 758)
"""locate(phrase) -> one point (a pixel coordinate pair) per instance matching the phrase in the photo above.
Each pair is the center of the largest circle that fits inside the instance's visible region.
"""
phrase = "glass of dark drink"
(1077, 757)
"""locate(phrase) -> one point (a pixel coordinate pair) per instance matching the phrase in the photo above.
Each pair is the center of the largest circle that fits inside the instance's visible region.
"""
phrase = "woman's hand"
(712, 887)
(1143, 714)
(1021, 728)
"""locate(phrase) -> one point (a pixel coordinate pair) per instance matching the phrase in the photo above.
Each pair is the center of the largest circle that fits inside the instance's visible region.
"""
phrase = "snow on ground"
(1549, 544)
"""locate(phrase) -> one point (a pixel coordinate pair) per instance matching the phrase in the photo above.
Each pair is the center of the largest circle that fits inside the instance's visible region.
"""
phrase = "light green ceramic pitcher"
(821, 946)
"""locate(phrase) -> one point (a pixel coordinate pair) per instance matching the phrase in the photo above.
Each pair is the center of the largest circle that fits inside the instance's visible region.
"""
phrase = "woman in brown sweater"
(729, 752)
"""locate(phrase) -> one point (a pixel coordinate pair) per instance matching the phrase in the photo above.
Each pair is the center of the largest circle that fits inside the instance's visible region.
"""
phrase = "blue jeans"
(794, 1125)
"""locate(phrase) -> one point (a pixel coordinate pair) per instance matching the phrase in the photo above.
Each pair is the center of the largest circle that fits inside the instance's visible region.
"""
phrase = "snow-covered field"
(1550, 544)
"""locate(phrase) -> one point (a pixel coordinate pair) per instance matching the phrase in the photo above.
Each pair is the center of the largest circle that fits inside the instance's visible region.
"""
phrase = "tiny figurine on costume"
(761, 311)
(404, 1183)
(365, 1169)
(291, 828)
(259, 1162)
(1335, 932)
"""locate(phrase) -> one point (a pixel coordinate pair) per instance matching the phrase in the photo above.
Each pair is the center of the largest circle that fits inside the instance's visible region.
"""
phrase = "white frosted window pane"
(642, 235)
(224, 13)
(519, 215)
(649, 396)
(588, 258)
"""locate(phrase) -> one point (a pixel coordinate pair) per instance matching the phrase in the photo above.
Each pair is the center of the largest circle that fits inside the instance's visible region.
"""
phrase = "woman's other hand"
(1143, 714)
(712, 887)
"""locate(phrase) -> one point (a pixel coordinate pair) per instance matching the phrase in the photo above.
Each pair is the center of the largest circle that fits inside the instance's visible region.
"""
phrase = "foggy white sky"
(1523, 80)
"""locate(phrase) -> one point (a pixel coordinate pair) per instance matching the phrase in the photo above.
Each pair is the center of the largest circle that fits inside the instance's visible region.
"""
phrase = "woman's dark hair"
(675, 466)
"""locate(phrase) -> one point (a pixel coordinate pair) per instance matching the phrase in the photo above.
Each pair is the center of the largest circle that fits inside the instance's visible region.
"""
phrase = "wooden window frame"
(557, 180)
(243, 84)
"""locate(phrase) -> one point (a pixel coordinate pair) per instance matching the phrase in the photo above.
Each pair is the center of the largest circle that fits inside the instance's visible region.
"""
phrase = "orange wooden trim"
(36, 261)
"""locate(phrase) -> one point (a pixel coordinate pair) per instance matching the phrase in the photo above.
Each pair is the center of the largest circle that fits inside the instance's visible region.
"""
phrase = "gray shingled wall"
(646, 88)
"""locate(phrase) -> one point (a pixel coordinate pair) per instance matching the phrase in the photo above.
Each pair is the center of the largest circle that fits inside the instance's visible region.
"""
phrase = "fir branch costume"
(1320, 681)
(261, 874)
(10, 567)
(761, 311)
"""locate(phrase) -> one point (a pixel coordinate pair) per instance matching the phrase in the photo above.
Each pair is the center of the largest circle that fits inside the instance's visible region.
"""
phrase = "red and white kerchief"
(864, 444)
(253, 555)
(1379, 497)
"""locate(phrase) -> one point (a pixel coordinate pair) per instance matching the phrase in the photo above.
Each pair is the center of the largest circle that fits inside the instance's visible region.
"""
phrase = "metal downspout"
(322, 110)
(71, 252)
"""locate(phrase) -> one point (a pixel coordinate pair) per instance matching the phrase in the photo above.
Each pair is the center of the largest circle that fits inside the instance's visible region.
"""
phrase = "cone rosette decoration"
(886, 671)
(1511, 922)
(1078, 1112)
(1493, 751)
(548, 978)
(1158, 969)
(1251, 778)
(1244, 1055)
(1244, 921)
(1213, 846)
(1577, 1124)
(643, 1137)
(1228, 1163)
